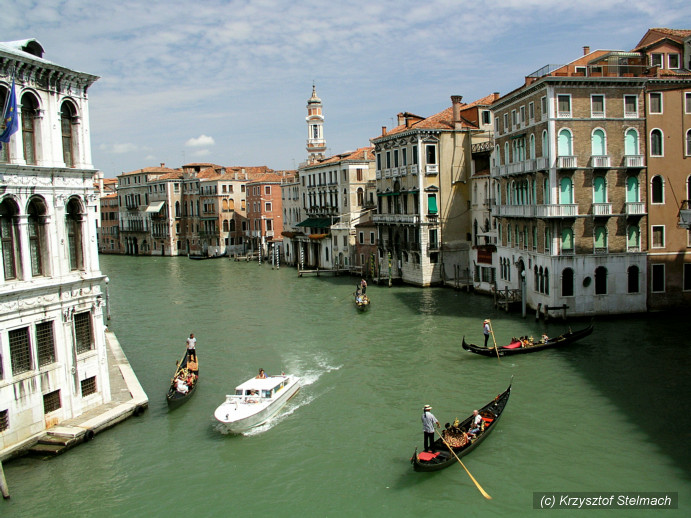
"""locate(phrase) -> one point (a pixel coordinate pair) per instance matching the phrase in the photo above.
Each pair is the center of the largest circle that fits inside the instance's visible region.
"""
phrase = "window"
(414, 155)
(4, 417)
(514, 118)
(506, 122)
(563, 105)
(656, 143)
(431, 154)
(597, 142)
(565, 191)
(633, 238)
(567, 240)
(267, 206)
(597, 105)
(486, 117)
(688, 143)
(9, 238)
(361, 238)
(600, 280)
(673, 61)
(600, 238)
(657, 274)
(82, 332)
(687, 277)
(656, 59)
(20, 350)
(388, 159)
(433, 243)
(657, 190)
(599, 190)
(565, 143)
(432, 204)
(548, 241)
(51, 402)
(630, 106)
(522, 109)
(658, 236)
(88, 386)
(543, 107)
(36, 232)
(531, 111)
(371, 238)
(631, 142)
(74, 235)
(567, 282)
(632, 279)
(67, 124)
(687, 102)
(395, 158)
(29, 111)
(655, 102)
(45, 343)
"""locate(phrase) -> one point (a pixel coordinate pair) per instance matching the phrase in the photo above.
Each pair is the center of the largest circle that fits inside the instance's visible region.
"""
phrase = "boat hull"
(235, 417)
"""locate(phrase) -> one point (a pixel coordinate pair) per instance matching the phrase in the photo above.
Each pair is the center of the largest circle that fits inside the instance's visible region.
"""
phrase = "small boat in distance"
(527, 345)
(362, 301)
(457, 437)
(255, 401)
(186, 377)
(200, 257)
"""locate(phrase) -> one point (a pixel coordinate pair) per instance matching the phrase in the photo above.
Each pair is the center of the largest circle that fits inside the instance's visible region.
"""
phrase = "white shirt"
(191, 342)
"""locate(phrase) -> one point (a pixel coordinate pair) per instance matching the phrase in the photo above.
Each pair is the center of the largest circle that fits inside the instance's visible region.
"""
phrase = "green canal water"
(607, 415)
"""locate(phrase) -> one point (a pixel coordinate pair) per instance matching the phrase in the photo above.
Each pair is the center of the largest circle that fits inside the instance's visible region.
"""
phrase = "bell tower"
(316, 144)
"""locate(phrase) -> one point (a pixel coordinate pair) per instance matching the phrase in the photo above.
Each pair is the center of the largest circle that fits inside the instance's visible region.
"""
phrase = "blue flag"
(9, 117)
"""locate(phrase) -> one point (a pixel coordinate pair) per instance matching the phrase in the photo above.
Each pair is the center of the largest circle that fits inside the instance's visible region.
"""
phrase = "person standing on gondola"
(191, 348)
(486, 330)
(428, 423)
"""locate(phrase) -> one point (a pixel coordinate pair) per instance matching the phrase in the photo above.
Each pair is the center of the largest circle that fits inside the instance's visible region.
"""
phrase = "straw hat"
(427, 407)
(486, 320)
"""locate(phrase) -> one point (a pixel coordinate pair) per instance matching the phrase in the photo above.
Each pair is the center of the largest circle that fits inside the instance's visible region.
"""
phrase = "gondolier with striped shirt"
(428, 423)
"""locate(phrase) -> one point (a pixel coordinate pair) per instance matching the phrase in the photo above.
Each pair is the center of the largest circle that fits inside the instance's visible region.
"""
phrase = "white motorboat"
(255, 401)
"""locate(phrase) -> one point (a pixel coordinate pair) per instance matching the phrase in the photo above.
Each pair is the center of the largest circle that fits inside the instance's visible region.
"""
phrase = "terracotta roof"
(357, 155)
(151, 170)
(657, 34)
(271, 177)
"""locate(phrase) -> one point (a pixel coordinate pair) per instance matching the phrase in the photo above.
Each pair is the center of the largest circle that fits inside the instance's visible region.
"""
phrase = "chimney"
(365, 154)
(383, 130)
(586, 50)
(401, 118)
(456, 103)
(496, 96)
(408, 122)
(163, 164)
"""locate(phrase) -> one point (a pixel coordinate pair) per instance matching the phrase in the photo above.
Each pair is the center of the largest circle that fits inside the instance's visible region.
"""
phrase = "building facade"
(53, 362)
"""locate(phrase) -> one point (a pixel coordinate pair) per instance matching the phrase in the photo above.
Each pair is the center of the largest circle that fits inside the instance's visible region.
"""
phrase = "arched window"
(226, 227)
(177, 209)
(565, 191)
(565, 143)
(545, 148)
(546, 281)
(632, 278)
(599, 190)
(567, 240)
(9, 238)
(4, 155)
(657, 190)
(37, 235)
(532, 146)
(29, 112)
(224, 205)
(600, 238)
(631, 146)
(688, 142)
(68, 122)
(633, 238)
(508, 234)
(632, 190)
(600, 280)
(567, 282)
(536, 278)
(656, 143)
(548, 240)
(360, 196)
(507, 158)
(232, 225)
(545, 191)
(74, 234)
(599, 147)
(497, 155)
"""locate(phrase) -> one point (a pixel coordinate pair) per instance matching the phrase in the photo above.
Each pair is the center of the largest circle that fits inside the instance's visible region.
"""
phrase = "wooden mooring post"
(3, 484)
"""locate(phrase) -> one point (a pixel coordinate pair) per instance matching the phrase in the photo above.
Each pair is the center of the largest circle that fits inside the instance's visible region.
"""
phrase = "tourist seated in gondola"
(181, 386)
(475, 423)
(544, 338)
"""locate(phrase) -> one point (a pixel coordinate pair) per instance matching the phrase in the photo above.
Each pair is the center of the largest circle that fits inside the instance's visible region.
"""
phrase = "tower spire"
(316, 144)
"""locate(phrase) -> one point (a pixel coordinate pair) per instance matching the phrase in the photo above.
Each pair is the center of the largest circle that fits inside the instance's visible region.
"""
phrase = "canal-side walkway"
(127, 399)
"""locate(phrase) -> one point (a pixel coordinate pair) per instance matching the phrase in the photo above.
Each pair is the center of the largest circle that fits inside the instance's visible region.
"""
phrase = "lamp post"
(107, 299)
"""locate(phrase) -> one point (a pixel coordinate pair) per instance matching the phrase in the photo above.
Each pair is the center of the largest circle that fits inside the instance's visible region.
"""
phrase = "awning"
(315, 223)
(155, 206)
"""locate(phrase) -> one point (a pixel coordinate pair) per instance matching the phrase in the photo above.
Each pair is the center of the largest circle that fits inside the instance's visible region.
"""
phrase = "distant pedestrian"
(191, 348)
(486, 330)
(428, 423)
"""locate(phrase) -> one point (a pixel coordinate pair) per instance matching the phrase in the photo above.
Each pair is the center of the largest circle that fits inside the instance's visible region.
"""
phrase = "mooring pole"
(3, 484)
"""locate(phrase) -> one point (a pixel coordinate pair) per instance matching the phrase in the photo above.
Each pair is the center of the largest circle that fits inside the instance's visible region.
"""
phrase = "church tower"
(316, 144)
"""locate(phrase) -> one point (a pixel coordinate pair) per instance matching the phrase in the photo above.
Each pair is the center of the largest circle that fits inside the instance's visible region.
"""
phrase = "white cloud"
(200, 141)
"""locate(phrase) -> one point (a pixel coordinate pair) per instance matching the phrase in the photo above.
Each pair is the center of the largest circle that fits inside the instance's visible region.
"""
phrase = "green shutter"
(432, 203)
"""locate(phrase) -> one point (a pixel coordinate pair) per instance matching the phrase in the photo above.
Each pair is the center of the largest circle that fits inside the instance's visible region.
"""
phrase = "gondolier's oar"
(484, 493)
(496, 349)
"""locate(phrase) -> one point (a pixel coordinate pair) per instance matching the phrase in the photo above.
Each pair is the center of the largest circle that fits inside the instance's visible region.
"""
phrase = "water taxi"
(255, 401)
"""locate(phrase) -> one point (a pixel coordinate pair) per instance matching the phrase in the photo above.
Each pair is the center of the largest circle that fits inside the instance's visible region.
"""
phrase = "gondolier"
(428, 424)
(486, 330)
(191, 348)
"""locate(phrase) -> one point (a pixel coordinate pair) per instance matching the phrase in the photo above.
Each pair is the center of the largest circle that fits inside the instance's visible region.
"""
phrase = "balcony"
(516, 168)
(432, 169)
(599, 161)
(413, 169)
(530, 165)
(542, 163)
(685, 215)
(600, 250)
(635, 208)
(567, 162)
(405, 219)
(566, 210)
(516, 211)
(634, 161)
(602, 209)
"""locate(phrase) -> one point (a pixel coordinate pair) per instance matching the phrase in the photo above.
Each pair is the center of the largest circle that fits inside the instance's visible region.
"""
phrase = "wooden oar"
(484, 493)
(496, 349)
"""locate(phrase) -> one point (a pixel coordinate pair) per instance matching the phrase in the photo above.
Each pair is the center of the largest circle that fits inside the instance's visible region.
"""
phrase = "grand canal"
(608, 414)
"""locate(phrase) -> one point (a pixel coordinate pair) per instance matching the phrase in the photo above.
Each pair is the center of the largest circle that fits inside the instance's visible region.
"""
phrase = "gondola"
(441, 457)
(362, 302)
(176, 398)
(527, 345)
(202, 257)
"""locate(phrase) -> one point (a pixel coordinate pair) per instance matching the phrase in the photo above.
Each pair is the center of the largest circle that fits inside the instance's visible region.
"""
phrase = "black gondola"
(174, 397)
(441, 457)
(529, 346)
(362, 302)
(202, 257)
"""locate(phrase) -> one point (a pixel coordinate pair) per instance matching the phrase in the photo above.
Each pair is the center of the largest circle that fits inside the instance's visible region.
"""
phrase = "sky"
(227, 81)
